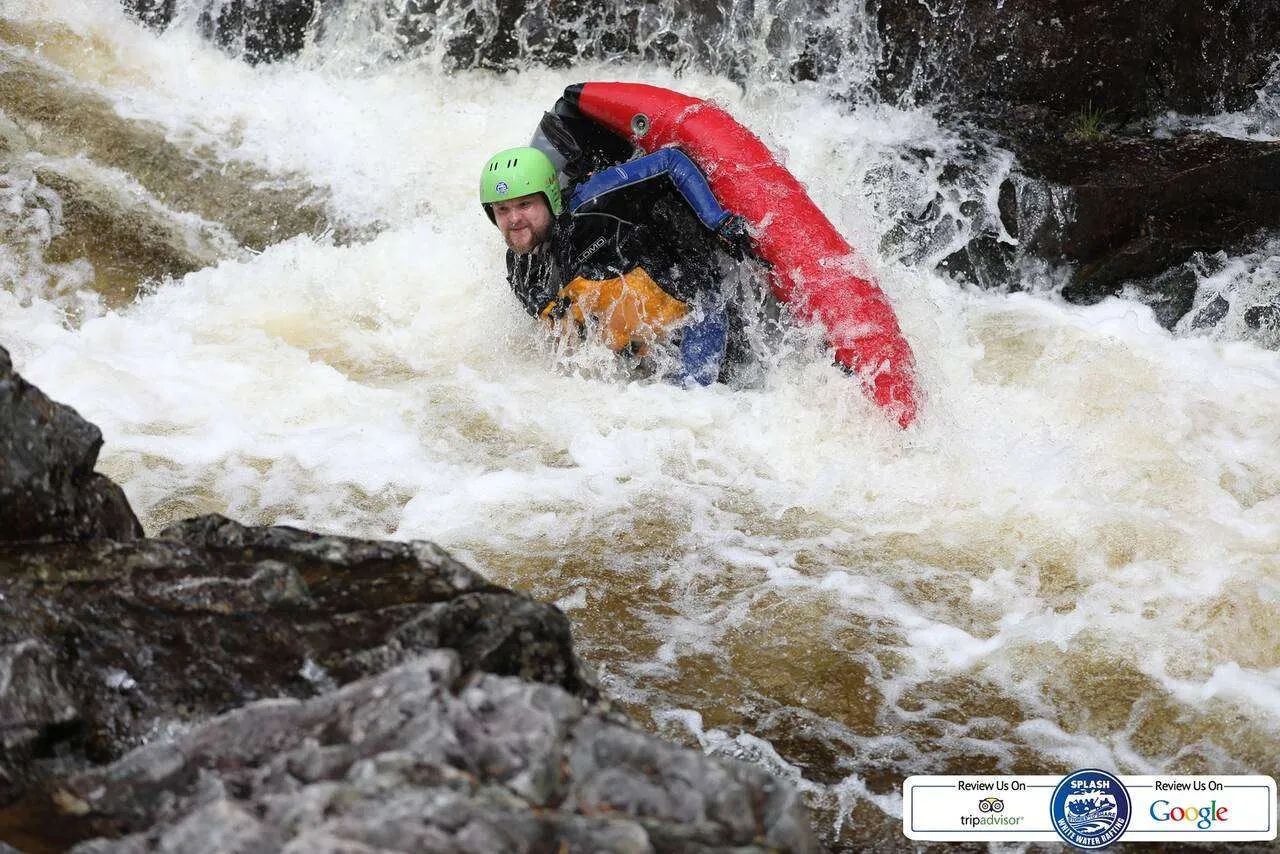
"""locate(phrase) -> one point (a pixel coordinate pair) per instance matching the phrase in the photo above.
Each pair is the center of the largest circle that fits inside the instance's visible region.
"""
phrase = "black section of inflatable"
(578, 145)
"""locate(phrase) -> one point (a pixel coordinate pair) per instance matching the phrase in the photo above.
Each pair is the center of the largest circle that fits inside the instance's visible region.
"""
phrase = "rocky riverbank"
(224, 688)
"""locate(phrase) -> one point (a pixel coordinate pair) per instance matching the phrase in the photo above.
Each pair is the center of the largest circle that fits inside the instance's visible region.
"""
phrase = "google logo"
(1204, 817)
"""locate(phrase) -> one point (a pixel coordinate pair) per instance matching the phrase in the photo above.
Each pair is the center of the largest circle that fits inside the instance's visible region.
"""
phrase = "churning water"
(273, 289)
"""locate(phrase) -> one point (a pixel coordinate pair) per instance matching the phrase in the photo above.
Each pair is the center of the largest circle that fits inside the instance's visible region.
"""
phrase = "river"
(274, 290)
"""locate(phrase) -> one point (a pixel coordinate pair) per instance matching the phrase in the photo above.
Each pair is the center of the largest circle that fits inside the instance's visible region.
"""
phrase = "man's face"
(524, 221)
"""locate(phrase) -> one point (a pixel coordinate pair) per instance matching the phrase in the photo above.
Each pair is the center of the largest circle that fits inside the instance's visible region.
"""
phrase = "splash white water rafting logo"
(1090, 808)
(501, 188)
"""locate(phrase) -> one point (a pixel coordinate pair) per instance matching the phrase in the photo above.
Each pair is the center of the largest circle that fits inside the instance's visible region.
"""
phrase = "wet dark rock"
(153, 13)
(508, 35)
(984, 261)
(1024, 66)
(32, 697)
(1132, 209)
(373, 696)
(1134, 216)
(257, 30)
(125, 639)
(1041, 64)
(1169, 295)
(1212, 314)
(1263, 317)
(1068, 89)
(426, 757)
(49, 491)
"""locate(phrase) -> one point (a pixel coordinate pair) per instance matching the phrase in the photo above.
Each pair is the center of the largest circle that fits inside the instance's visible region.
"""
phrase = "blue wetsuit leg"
(702, 348)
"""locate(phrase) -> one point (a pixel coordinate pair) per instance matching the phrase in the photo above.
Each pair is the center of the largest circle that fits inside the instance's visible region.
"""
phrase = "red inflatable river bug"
(814, 270)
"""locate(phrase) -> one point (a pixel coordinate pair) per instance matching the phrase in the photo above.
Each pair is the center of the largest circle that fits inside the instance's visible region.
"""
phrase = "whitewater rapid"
(1072, 560)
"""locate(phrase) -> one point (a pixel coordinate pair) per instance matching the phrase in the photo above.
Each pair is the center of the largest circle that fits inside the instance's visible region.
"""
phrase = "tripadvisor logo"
(992, 806)
(1090, 808)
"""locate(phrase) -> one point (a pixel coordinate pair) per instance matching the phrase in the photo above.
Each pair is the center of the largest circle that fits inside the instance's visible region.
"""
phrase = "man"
(596, 270)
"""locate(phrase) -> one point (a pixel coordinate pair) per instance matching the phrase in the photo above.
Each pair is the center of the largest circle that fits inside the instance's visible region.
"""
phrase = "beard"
(527, 239)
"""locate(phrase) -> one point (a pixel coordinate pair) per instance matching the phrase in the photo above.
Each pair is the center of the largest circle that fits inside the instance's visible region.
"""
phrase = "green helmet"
(518, 172)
